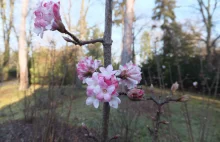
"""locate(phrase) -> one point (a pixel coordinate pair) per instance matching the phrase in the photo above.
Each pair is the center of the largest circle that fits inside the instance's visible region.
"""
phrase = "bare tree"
(126, 55)
(23, 51)
(207, 11)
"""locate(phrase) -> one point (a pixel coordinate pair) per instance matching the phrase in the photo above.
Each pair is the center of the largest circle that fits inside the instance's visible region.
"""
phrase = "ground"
(57, 113)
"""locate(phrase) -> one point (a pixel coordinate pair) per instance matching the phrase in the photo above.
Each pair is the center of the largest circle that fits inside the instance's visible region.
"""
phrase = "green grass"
(133, 115)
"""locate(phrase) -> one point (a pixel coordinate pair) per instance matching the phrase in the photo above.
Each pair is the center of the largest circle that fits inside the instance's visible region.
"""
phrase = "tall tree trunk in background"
(23, 51)
(126, 55)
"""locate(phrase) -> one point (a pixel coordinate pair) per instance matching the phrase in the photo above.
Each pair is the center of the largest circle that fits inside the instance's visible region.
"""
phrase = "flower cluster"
(102, 84)
(130, 75)
(47, 17)
(86, 67)
(102, 88)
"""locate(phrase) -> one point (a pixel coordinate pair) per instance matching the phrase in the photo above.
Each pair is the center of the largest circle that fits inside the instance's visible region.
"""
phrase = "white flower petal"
(109, 68)
(102, 69)
(132, 80)
(114, 102)
(97, 89)
(89, 81)
(49, 27)
(90, 100)
(96, 103)
(110, 89)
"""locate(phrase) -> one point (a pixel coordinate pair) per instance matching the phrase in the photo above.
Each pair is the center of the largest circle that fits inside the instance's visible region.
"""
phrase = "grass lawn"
(130, 120)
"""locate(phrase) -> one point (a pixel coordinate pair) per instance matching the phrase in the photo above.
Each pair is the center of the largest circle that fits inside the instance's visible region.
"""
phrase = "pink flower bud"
(174, 87)
(135, 94)
(116, 136)
(47, 17)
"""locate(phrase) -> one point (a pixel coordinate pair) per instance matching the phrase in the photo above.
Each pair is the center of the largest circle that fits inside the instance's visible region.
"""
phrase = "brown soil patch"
(39, 131)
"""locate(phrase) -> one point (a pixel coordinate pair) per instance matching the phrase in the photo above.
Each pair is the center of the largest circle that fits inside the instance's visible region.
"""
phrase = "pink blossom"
(102, 88)
(108, 72)
(105, 92)
(130, 75)
(135, 94)
(107, 88)
(86, 67)
(47, 17)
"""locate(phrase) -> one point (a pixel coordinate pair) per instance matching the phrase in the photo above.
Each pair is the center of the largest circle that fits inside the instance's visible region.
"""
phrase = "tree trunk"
(127, 38)
(23, 51)
(107, 61)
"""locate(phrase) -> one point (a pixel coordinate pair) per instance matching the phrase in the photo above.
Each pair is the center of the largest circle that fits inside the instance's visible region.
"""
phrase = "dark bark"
(107, 61)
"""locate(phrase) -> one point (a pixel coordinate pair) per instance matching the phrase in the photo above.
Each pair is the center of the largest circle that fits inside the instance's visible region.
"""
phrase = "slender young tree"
(145, 47)
(23, 51)
(7, 27)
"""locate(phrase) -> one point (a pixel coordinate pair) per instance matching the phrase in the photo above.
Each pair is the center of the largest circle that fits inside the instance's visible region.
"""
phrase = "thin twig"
(89, 134)
(114, 138)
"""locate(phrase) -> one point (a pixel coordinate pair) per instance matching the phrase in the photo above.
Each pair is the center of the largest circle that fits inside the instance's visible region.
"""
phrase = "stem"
(106, 112)
(107, 42)
(187, 118)
(156, 129)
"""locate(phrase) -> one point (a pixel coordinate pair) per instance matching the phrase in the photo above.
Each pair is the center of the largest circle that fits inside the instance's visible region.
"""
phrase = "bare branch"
(215, 6)
(201, 4)
(214, 41)
(114, 138)
(89, 134)
(76, 41)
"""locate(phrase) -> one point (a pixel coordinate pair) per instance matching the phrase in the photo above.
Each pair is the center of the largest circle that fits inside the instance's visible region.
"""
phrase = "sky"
(143, 8)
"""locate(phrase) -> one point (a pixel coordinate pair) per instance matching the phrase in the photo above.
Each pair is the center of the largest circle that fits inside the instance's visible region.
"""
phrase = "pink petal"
(110, 89)
(100, 96)
(107, 97)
